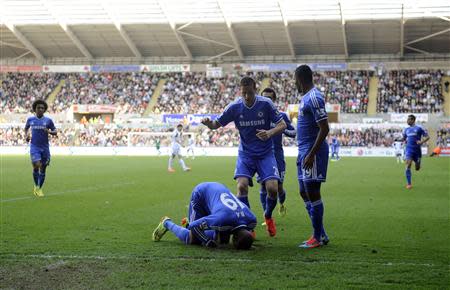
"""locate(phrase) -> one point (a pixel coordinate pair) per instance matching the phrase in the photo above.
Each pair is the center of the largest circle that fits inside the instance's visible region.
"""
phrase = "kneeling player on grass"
(214, 214)
(41, 127)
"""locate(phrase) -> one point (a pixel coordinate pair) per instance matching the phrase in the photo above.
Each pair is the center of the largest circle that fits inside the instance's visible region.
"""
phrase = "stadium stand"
(410, 91)
(19, 90)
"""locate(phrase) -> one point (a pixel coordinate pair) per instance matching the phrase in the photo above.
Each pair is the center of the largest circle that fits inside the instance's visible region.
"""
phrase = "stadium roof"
(209, 29)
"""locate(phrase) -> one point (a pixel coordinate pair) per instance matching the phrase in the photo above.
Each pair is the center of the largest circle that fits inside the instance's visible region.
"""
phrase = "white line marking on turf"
(69, 191)
(203, 259)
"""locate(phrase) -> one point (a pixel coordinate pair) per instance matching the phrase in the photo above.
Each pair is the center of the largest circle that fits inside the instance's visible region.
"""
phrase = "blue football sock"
(271, 203)
(282, 197)
(408, 175)
(317, 218)
(36, 177)
(263, 197)
(181, 233)
(244, 200)
(41, 179)
(308, 209)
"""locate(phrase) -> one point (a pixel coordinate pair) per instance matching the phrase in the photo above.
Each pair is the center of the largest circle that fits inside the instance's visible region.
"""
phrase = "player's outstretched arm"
(213, 125)
(267, 134)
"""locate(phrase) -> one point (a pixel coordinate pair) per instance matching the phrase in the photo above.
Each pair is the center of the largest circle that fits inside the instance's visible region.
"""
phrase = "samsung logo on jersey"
(38, 127)
(252, 123)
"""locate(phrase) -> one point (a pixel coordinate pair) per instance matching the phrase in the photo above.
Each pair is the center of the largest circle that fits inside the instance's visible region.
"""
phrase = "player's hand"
(419, 142)
(27, 138)
(263, 134)
(308, 162)
(207, 122)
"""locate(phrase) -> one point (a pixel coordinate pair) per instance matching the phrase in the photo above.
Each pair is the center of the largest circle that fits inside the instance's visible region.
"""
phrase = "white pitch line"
(238, 260)
(67, 191)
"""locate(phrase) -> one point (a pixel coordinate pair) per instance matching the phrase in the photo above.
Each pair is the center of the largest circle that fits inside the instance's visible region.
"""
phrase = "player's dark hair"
(242, 239)
(304, 73)
(270, 91)
(39, 102)
(247, 81)
(179, 125)
(412, 117)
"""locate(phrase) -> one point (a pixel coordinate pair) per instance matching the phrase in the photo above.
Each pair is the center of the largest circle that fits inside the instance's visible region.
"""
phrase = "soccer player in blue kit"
(252, 116)
(413, 152)
(312, 161)
(335, 148)
(279, 155)
(214, 215)
(41, 127)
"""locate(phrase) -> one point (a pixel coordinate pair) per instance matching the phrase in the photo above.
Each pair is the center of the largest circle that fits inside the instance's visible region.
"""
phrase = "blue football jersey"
(311, 111)
(39, 135)
(249, 119)
(413, 134)
(221, 210)
(278, 139)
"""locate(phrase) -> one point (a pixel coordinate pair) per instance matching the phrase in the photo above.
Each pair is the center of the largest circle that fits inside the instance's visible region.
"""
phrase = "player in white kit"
(398, 148)
(177, 139)
(190, 149)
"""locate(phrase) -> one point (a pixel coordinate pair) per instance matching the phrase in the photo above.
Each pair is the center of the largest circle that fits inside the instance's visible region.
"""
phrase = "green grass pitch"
(93, 228)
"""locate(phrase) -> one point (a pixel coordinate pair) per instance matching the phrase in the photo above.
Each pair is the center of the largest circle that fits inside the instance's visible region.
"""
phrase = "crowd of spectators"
(348, 88)
(19, 90)
(113, 135)
(370, 137)
(399, 91)
(131, 92)
(189, 92)
(410, 91)
(443, 136)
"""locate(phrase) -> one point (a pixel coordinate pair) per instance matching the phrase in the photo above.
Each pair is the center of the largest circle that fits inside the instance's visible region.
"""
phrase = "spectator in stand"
(410, 91)
(19, 90)
(347, 88)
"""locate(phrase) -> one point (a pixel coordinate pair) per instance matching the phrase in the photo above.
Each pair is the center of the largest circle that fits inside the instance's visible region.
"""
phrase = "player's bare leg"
(170, 168)
(183, 165)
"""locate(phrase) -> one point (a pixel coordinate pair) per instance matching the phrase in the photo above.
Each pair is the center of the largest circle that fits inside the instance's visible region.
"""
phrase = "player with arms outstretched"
(41, 126)
(414, 136)
(214, 214)
(177, 140)
(312, 161)
(252, 116)
(279, 155)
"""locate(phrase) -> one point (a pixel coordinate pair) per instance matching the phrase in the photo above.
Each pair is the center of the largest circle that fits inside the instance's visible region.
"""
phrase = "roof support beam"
(344, 32)
(429, 36)
(286, 30)
(122, 31)
(172, 24)
(67, 30)
(231, 30)
(402, 34)
(205, 39)
(25, 41)
(76, 41)
(12, 45)
(417, 50)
